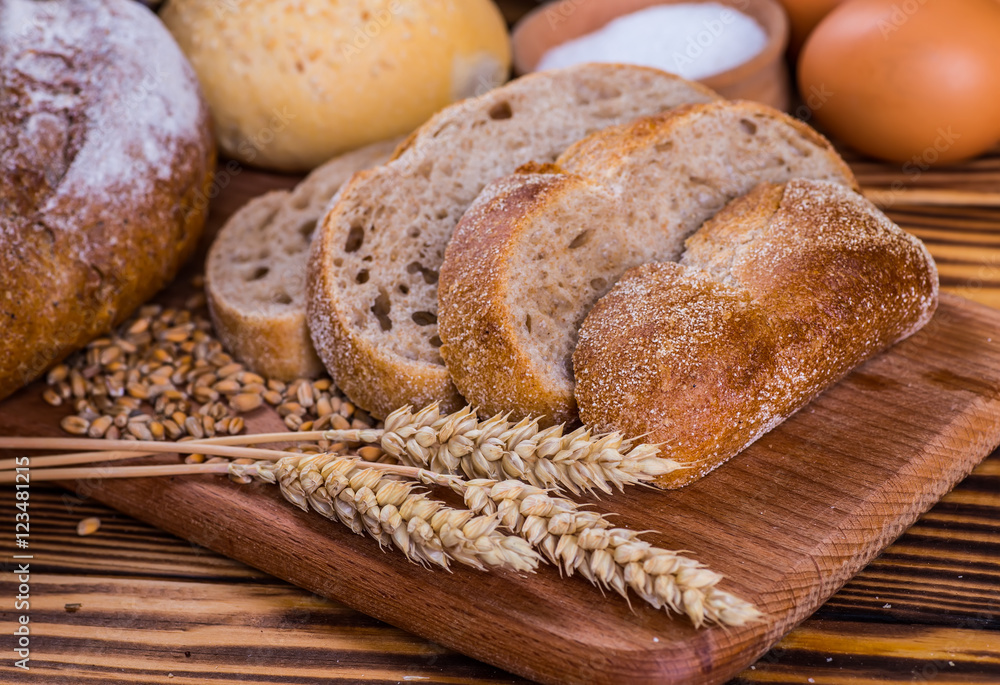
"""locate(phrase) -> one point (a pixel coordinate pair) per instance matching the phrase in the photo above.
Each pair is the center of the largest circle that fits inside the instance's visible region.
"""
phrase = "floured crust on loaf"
(374, 268)
(256, 269)
(519, 277)
(775, 299)
(107, 156)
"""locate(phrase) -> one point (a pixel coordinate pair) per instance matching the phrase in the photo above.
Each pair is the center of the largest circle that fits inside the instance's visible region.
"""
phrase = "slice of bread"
(255, 272)
(537, 250)
(374, 267)
(775, 299)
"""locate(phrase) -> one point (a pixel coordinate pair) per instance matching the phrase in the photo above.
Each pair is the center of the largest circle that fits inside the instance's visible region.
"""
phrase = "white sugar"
(693, 40)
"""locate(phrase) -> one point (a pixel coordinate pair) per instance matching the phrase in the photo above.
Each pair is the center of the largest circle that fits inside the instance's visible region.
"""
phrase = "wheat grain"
(576, 540)
(165, 362)
(370, 498)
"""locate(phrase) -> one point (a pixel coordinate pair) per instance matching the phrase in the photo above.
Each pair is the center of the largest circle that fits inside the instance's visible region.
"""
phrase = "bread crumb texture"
(376, 263)
(256, 269)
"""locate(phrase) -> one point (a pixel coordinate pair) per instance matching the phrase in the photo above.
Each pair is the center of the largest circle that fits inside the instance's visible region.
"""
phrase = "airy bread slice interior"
(537, 250)
(255, 273)
(374, 267)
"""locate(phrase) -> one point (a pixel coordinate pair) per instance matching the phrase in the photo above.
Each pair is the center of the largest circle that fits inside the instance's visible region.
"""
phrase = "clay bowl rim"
(768, 13)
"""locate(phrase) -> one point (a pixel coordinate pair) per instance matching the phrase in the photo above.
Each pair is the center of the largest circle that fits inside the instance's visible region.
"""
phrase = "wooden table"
(151, 605)
(132, 604)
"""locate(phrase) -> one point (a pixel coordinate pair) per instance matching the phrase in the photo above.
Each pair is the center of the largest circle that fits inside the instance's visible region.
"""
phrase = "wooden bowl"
(763, 78)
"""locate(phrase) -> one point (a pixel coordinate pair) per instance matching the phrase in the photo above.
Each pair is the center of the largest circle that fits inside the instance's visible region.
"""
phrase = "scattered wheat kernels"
(194, 427)
(235, 425)
(99, 427)
(165, 365)
(245, 402)
(75, 425)
(370, 453)
(88, 526)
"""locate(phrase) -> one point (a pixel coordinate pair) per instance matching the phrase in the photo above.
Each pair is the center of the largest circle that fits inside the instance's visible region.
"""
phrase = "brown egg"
(914, 81)
(803, 15)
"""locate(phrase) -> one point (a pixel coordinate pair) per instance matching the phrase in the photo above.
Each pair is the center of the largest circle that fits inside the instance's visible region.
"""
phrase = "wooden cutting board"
(787, 522)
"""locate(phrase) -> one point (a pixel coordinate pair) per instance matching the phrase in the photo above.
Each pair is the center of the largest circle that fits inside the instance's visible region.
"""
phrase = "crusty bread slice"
(776, 298)
(255, 273)
(374, 267)
(537, 250)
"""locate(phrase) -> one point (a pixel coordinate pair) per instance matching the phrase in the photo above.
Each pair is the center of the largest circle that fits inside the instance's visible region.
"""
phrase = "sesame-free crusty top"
(105, 160)
(776, 298)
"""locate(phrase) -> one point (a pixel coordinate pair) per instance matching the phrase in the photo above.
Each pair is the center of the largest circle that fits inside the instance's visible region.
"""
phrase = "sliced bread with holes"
(374, 267)
(255, 273)
(538, 249)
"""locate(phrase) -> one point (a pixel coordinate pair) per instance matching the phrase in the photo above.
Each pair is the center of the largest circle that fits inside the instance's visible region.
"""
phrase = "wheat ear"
(367, 497)
(576, 540)
(499, 449)
(393, 512)
(587, 542)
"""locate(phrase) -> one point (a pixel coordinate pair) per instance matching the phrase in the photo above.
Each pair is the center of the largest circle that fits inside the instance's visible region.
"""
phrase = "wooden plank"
(830, 488)
(256, 611)
(151, 604)
(836, 652)
(930, 576)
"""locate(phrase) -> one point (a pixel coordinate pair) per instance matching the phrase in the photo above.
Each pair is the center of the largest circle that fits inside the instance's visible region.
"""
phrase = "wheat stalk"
(392, 511)
(498, 449)
(369, 498)
(574, 539)
(450, 444)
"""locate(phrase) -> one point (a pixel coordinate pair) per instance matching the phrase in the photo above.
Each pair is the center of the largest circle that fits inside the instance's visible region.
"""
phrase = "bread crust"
(276, 344)
(110, 193)
(473, 300)
(374, 375)
(827, 282)
(485, 345)
(590, 155)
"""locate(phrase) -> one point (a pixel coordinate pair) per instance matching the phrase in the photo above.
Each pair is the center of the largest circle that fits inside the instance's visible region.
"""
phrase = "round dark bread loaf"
(776, 298)
(106, 156)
